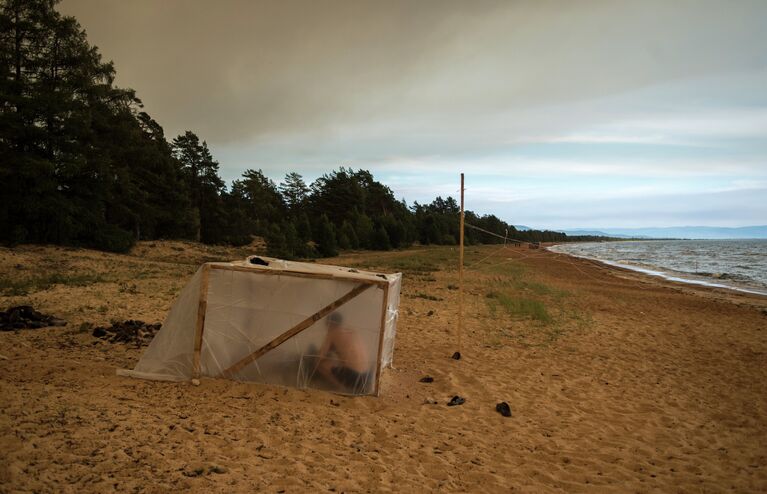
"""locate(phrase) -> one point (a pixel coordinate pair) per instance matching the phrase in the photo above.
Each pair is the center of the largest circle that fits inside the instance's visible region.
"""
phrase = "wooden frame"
(202, 307)
(362, 285)
(299, 274)
(384, 311)
(298, 328)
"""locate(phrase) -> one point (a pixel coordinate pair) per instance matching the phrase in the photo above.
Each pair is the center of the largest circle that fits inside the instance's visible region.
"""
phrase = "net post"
(460, 275)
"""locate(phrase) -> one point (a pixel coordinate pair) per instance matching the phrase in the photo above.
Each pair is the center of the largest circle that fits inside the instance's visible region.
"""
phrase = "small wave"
(679, 269)
(725, 276)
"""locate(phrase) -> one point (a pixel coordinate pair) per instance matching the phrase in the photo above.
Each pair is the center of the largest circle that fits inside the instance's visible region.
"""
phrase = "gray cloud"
(245, 71)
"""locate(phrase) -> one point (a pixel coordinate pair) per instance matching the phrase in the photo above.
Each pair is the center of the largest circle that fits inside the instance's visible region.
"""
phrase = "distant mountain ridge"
(686, 232)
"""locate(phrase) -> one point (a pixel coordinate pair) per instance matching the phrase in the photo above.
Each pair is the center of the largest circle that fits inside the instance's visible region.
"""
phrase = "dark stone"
(456, 400)
(14, 316)
(130, 331)
(258, 261)
(24, 316)
(426, 379)
(503, 408)
(457, 356)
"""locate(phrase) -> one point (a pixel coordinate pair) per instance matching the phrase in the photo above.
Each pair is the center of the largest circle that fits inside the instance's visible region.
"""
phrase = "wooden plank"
(202, 306)
(298, 274)
(306, 323)
(384, 311)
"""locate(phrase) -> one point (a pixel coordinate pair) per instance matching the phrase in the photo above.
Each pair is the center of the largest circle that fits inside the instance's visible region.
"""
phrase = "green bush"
(110, 238)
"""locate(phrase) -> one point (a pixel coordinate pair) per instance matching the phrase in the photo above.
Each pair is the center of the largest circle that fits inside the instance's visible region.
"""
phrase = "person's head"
(334, 320)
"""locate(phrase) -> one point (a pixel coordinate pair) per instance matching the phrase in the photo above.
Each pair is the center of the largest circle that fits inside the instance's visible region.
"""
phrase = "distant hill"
(691, 232)
(593, 233)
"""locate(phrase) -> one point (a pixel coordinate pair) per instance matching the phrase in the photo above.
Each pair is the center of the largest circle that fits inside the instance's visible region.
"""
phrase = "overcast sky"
(561, 114)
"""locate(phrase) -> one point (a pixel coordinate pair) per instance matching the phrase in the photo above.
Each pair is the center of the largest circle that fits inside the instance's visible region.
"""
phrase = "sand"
(625, 384)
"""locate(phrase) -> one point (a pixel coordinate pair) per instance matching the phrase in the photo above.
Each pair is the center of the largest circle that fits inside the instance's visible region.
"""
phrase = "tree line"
(82, 163)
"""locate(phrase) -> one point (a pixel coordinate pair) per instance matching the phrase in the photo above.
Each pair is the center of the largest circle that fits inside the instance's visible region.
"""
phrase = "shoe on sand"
(456, 400)
(503, 408)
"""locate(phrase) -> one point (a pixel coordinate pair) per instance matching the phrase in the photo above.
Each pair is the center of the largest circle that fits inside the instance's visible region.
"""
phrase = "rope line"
(558, 257)
(486, 257)
(495, 234)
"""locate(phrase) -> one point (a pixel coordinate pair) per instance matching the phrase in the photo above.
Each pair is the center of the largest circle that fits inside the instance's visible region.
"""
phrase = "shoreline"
(659, 273)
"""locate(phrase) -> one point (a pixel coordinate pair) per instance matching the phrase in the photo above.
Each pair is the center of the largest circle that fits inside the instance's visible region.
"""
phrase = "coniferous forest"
(82, 163)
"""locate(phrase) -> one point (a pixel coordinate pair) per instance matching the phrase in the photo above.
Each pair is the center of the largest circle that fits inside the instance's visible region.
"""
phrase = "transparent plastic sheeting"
(247, 309)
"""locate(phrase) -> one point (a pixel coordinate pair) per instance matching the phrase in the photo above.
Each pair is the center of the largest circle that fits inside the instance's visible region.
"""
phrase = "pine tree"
(347, 231)
(381, 239)
(363, 226)
(326, 238)
(294, 192)
(294, 246)
(205, 186)
(276, 244)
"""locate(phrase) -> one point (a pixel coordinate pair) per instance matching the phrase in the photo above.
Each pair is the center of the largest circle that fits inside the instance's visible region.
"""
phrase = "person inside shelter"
(344, 359)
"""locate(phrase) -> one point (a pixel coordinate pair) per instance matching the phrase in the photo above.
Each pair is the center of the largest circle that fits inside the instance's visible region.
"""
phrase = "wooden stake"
(385, 309)
(202, 306)
(460, 277)
(306, 323)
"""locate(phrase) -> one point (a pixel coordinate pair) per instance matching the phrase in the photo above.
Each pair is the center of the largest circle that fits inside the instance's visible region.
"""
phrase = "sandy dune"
(617, 383)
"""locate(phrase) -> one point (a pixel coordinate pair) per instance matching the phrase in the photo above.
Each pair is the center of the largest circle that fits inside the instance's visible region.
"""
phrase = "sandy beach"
(617, 382)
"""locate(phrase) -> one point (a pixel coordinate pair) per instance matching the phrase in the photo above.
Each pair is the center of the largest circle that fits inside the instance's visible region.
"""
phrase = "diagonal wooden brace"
(306, 323)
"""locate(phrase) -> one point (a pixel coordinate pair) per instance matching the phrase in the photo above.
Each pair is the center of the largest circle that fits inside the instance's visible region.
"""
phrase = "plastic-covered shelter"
(272, 321)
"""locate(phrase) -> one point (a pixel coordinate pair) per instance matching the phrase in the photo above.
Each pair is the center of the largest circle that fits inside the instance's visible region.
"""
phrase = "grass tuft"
(524, 308)
(24, 286)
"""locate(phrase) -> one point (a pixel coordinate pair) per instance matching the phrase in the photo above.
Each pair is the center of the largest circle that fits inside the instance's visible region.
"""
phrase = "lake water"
(736, 264)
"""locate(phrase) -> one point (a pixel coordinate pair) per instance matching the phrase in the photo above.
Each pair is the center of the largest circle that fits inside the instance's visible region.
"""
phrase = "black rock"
(426, 379)
(456, 400)
(503, 408)
(457, 356)
(130, 331)
(24, 316)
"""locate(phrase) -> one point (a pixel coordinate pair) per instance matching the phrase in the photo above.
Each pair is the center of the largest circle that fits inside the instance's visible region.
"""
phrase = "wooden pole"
(460, 276)
(384, 311)
(202, 307)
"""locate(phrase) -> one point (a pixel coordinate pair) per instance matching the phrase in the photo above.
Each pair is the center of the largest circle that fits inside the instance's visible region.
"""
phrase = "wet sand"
(624, 383)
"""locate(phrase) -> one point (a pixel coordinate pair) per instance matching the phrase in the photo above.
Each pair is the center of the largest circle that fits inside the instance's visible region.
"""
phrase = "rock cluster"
(137, 332)
(26, 317)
